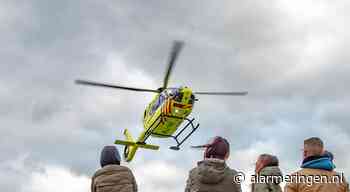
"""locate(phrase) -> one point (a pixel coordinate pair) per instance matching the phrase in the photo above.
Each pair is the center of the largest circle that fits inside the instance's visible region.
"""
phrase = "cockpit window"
(172, 92)
(178, 96)
(157, 103)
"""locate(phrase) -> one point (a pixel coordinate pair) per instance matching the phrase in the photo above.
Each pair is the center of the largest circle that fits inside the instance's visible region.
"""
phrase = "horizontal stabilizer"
(127, 143)
(147, 146)
(130, 143)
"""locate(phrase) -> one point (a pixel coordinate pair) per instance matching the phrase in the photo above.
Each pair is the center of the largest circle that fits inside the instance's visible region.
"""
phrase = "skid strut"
(179, 141)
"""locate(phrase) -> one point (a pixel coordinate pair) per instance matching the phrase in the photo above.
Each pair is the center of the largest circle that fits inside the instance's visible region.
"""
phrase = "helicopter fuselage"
(167, 111)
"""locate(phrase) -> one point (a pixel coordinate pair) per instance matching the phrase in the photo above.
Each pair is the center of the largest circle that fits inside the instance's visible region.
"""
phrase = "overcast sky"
(292, 57)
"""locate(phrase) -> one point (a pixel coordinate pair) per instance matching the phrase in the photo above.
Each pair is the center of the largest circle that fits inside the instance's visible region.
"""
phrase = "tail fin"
(131, 146)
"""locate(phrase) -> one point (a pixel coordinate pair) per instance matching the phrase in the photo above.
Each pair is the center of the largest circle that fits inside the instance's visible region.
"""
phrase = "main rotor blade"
(222, 93)
(91, 83)
(177, 46)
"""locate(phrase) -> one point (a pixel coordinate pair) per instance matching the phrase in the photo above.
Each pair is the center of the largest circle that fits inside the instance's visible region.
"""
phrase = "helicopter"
(164, 115)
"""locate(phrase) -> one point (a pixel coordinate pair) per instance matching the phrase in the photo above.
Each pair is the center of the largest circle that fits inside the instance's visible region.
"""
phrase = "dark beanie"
(109, 156)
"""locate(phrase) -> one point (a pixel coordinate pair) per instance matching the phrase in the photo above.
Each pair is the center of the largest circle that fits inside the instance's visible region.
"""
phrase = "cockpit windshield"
(176, 94)
(171, 92)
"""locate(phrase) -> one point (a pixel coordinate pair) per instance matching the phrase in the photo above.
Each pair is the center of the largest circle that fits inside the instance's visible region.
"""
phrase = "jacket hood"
(212, 171)
(109, 156)
(272, 171)
(323, 163)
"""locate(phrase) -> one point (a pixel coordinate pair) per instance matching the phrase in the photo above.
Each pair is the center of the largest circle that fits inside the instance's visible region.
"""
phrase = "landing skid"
(190, 124)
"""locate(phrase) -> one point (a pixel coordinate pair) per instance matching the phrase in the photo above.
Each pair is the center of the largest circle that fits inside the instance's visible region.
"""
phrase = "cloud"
(160, 176)
(34, 176)
(56, 179)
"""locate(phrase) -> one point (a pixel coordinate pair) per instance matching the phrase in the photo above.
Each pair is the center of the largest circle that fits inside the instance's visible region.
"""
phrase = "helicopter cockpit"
(171, 92)
(177, 95)
(168, 93)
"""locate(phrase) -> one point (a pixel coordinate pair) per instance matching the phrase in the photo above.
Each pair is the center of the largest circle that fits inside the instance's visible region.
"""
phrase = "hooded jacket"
(212, 175)
(112, 177)
(272, 176)
(317, 166)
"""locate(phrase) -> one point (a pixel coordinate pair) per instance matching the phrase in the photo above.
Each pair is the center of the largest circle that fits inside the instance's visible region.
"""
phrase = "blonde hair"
(314, 146)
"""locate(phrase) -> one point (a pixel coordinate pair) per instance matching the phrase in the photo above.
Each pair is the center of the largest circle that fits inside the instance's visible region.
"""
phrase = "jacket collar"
(318, 162)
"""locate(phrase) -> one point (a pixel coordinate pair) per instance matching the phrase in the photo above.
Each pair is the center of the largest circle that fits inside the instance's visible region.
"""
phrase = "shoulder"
(234, 171)
(291, 184)
(116, 168)
(231, 171)
(233, 176)
(112, 169)
(309, 171)
(125, 170)
(302, 172)
(193, 171)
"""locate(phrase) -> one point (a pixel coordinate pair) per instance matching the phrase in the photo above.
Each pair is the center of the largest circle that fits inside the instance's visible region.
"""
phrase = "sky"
(291, 56)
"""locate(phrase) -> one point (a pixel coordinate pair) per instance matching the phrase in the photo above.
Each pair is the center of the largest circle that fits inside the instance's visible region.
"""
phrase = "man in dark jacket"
(112, 177)
(212, 174)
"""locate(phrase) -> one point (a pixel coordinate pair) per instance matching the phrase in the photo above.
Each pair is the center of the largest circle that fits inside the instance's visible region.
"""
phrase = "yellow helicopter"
(165, 113)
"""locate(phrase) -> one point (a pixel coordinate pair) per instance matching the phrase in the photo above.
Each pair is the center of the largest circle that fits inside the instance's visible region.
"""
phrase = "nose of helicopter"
(187, 95)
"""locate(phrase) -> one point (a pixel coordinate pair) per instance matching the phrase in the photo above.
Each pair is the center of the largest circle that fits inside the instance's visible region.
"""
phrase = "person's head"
(313, 147)
(219, 148)
(265, 160)
(329, 155)
(109, 156)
